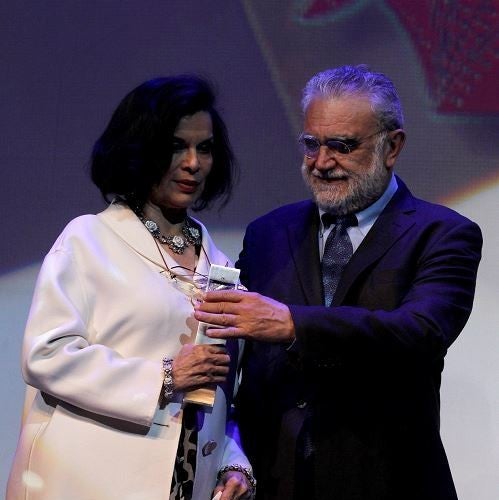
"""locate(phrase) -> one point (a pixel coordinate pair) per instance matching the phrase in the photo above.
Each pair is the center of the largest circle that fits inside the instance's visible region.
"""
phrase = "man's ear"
(395, 143)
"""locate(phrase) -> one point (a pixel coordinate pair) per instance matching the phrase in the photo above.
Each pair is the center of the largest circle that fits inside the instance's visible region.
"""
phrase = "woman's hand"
(233, 485)
(199, 365)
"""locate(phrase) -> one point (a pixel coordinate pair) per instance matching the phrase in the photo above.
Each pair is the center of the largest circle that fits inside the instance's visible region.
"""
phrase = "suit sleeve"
(428, 315)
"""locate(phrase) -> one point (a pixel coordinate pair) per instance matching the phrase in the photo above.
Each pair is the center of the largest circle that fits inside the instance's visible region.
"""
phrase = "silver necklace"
(177, 243)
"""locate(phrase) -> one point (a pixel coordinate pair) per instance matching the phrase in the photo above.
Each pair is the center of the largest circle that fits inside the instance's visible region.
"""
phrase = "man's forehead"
(338, 111)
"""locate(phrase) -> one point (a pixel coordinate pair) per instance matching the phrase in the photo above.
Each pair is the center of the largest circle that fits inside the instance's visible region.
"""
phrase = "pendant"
(177, 243)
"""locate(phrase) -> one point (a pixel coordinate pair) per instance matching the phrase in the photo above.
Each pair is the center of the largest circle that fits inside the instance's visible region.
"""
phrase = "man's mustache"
(330, 174)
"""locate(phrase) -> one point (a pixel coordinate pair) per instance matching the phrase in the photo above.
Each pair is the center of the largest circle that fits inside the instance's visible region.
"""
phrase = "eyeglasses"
(310, 145)
(193, 284)
(190, 282)
(186, 274)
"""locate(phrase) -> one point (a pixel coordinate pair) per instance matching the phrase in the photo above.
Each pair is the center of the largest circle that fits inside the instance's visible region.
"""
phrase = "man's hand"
(246, 315)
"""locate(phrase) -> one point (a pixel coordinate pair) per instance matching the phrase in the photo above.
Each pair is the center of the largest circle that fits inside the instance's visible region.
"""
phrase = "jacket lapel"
(303, 243)
(395, 220)
(121, 219)
(128, 227)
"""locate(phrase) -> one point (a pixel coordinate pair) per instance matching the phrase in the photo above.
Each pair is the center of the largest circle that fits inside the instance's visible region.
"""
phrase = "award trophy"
(219, 278)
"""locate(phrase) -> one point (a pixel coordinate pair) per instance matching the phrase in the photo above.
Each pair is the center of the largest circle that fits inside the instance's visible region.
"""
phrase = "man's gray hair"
(358, 80)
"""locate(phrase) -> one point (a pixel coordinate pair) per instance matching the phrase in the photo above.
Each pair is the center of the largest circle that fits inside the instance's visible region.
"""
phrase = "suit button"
(301, 404)
(208, 448)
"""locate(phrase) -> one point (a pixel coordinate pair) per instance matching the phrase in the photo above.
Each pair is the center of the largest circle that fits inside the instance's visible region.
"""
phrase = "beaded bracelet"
(167, 378)
(239, 468)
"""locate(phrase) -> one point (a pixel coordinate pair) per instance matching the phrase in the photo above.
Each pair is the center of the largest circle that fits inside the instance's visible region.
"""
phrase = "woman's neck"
(170, 221)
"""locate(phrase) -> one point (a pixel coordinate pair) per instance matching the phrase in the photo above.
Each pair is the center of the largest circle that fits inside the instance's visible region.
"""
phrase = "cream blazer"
(102, 318)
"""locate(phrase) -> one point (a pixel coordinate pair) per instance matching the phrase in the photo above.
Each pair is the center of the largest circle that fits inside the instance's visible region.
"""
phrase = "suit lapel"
(302, 236)
(395, 220)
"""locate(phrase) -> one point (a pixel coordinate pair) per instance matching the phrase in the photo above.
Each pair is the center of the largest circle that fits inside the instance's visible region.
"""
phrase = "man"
(341, 376)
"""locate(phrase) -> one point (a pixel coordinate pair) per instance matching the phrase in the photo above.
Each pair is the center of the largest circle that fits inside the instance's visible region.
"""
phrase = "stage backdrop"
(66, 64)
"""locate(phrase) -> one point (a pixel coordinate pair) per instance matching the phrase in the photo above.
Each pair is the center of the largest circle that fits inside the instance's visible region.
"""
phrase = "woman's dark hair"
(136, 148)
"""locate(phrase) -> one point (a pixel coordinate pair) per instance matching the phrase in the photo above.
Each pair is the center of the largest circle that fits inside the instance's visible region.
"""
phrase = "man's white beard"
(363, 189)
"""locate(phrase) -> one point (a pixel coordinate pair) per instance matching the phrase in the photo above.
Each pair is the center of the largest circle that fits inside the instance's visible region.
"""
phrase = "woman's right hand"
(200, 365)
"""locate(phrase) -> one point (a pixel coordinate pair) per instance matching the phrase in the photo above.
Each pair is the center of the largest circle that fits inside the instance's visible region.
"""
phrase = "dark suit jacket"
(364, 374)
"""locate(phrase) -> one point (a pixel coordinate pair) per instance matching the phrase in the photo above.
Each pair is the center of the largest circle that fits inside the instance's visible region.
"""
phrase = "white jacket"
(102, 318)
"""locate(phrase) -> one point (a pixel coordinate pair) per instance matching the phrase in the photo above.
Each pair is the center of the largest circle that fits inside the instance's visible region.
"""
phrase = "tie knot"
(339, 220)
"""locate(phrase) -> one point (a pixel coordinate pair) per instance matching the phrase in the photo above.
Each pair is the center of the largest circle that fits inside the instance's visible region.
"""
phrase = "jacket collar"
(123, 221)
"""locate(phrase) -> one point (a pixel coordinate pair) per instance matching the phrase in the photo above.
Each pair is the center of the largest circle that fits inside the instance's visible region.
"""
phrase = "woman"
(109, 340)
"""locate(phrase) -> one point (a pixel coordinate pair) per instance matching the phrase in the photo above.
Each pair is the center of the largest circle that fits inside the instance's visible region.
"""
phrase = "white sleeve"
(59, 359)
(233, 453)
